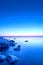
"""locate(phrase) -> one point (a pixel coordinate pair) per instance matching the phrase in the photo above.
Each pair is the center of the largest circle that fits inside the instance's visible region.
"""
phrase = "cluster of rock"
(4, 45)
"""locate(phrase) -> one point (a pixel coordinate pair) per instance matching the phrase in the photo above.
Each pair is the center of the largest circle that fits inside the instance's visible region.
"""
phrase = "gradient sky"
(21, 17)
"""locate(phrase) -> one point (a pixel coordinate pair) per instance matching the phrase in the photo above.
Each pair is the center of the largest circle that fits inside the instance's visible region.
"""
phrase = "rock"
(26, 40)
(11, 59)
(4, 41)
(17, 48)
(14, 38)
(12, 43)
(2, 58)
(1, 37)
(3, 47)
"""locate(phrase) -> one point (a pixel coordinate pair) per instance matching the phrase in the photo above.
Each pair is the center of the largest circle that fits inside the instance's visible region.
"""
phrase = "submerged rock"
(3, 47)
(14, 38)
(11, 59)
(1, 37)
(4, 44)
(2, 58)
(12, 43)
(17, 48)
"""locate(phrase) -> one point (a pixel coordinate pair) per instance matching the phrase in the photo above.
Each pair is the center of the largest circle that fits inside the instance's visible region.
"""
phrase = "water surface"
(31, 52)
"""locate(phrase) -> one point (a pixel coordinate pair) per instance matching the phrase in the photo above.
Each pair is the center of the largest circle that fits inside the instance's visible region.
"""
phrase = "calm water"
(31, 52)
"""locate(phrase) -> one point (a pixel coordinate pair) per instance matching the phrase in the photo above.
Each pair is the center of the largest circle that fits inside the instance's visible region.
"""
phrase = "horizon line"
(23, 36)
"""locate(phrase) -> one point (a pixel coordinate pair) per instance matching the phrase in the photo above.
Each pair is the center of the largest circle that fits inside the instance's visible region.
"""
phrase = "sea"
(30, 53)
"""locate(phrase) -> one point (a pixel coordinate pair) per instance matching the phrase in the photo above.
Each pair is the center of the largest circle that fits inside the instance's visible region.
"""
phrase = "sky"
(21, 17)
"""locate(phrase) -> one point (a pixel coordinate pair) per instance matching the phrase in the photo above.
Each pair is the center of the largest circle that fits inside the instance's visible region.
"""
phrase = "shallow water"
(31, 52)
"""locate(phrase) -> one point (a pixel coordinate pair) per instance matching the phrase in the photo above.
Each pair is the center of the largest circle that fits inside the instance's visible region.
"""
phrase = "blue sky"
(21, 17)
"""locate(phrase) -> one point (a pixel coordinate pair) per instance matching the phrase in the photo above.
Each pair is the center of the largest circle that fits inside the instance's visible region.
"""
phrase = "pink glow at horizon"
(21, 34)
